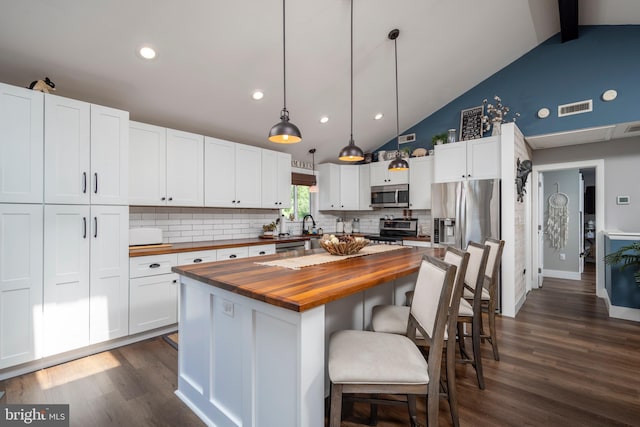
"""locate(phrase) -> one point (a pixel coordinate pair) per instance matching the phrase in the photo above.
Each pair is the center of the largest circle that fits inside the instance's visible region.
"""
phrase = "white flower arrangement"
(495, 115)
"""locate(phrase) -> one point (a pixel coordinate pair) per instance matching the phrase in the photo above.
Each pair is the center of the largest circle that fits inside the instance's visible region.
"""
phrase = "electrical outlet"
(227, 308)
(563, 257)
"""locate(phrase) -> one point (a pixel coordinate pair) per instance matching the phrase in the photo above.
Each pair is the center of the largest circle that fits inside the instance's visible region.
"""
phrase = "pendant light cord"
(395, 44)
(351, 134)
(284, 57)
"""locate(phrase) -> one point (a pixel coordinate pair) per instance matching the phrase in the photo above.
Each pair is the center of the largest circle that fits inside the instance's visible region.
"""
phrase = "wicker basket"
(344, 248)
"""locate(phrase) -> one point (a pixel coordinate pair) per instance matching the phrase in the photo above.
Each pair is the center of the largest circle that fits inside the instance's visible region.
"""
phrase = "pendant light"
(398, 164)
(284, 132)
(314, 187)
(351, 153)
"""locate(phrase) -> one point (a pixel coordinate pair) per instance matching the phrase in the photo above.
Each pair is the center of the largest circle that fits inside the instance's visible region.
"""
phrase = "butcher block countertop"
(309, 287)
(208, 245)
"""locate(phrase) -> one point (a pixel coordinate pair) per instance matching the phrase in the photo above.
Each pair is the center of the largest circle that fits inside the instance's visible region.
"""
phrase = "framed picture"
(471, 123)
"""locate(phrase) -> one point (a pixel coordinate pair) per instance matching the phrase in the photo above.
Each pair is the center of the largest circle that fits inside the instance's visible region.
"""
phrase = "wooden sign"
(471, 123)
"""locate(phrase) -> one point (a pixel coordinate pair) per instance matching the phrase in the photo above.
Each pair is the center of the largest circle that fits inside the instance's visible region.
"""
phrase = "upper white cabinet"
(166, 166)
(233, 174)
(468, 160)
(380, 174)
(86, 152)
(420, 179)
(365, 187)
(21, 149)
(339, 187)
(276, 179)
(20, 283)
(185, 169)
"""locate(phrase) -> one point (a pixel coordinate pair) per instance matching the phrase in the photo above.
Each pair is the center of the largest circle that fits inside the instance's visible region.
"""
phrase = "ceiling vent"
(633, 128)
(404, 139)
(575, 108)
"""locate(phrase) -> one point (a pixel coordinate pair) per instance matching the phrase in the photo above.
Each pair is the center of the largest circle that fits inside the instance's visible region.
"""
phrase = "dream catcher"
(558, 219)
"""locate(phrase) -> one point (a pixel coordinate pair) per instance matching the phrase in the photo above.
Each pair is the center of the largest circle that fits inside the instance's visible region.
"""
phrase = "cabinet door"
(154, 302)
(66, 150)
(483, 158)
(365, 187)
(109, 291)
(109, 156)
(220, 160)
(248, 171)
(349, 187)
(20, 283)
(66, 278)
(197, 257)
(270, 198)
(147, 164)
(262, 250)
(379, 173)
(283, 180)
(185, 177)
(420, 179)
(233, 253)
(329, 186)
(397, 177)
(21, 144)
(450, 162)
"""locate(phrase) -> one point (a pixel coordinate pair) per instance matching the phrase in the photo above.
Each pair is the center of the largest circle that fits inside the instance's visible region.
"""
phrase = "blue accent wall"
(554, 73)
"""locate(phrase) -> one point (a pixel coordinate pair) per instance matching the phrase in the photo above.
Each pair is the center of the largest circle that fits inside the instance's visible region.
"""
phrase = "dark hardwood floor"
(563, 363)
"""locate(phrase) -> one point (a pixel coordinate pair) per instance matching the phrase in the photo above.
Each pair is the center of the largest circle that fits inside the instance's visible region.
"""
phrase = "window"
(300, 202)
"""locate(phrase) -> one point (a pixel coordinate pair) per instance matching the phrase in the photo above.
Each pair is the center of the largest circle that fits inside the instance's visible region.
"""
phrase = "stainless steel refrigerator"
(464, 211)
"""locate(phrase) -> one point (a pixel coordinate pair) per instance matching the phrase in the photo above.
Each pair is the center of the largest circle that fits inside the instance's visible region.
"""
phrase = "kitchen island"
(253, 337)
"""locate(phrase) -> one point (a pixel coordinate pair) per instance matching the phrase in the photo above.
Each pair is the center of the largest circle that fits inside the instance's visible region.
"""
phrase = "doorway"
(551, 179)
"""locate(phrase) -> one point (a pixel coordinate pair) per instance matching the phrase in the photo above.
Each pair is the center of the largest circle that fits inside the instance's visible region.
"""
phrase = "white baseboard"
(520, 302)
(560, 274)
(625, 313)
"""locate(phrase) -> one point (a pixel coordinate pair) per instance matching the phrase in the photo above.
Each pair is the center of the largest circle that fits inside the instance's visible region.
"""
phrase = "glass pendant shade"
(351, 153)
(285, 132)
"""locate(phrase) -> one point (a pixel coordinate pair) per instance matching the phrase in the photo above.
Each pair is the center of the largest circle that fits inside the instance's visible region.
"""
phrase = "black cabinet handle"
(154, 265)
(262, 253)
(233, 201)
(238, 201)
(170, 199)
(84, 183)
(95, 227)
(95, 189)
(233, 256)
(163, 199)
(175, 280)
(197, 260)
(84, 227)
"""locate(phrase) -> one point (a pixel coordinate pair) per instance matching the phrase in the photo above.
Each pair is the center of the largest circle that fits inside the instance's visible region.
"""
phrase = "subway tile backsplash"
(201, 224)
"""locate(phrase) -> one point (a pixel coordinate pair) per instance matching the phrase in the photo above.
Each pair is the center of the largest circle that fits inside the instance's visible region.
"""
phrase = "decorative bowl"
(343, 245)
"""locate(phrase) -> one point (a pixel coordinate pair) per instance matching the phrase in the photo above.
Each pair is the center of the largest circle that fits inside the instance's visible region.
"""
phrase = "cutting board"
(163, 245)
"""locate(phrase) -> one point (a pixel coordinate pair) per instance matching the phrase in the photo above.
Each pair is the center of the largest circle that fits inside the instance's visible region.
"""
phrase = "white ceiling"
(213, 54)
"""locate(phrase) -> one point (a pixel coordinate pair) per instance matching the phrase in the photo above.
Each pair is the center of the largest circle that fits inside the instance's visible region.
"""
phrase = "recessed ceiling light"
(147, 52)
(609, 95)
(378, 116)
(257, 95)
(324, 119)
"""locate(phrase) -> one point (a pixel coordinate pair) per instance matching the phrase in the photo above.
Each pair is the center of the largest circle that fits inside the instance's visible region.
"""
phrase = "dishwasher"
(292, 246)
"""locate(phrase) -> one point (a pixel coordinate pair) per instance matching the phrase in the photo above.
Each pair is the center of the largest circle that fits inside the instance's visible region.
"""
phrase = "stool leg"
(477, 359)
(492, 331)
(451, 381)
(335, 413)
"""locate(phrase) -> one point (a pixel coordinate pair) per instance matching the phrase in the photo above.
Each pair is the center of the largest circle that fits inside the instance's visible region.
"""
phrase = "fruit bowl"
(343, 245)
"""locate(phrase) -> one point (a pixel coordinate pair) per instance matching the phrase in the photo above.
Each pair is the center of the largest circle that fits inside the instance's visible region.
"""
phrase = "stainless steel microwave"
(390, 196)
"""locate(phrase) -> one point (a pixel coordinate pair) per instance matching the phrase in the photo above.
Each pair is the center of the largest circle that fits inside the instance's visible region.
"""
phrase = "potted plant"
(628, 256)
(269, 229)
(440, 138)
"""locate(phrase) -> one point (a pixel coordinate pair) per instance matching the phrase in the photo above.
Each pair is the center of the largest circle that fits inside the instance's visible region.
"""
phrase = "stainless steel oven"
(393, 231)
(390, 196)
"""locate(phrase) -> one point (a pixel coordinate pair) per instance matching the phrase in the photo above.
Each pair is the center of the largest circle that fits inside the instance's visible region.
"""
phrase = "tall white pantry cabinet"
(63, 245)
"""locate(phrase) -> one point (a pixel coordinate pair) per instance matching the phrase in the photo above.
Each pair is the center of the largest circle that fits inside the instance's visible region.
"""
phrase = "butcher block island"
(253, 337)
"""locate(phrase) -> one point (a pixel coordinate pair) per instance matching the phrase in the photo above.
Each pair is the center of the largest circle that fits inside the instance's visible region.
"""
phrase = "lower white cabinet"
(153, 291)
(20, 283)
(197, 257)
(86, 275)
(233, 253)
(261, 250)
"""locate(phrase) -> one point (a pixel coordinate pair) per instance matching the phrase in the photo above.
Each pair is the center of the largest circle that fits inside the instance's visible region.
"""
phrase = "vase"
(495, 127)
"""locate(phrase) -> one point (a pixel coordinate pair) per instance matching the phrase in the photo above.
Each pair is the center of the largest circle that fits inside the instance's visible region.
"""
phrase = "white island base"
(243, 362)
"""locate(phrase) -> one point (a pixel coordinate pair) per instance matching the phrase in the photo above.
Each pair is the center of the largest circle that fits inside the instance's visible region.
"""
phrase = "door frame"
(598, 164)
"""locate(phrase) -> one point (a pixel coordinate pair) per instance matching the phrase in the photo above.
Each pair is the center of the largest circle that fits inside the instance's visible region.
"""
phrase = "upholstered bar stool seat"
(468, 294)
(364, 357)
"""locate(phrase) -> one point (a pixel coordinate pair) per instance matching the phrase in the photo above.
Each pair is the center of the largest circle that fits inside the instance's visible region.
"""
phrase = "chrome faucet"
(305, 230)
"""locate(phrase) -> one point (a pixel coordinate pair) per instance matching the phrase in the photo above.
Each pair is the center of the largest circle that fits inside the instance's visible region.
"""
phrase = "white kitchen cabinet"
(86, 153)
(233, 174)
(365, 187)
(154, 302)
(233, 253)
(339, 187)
(20, 283)
(420, 179)
(21, 144)
(467, 160)
(197, 257)
(276, 180)
(166, 166)
(152, 265)
(66, 277)
(185, 169)
(380, 174)
(261, 250)
(109, 289)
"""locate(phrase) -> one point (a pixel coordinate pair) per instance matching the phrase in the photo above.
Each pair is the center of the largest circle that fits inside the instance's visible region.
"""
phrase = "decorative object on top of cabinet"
(496, 115)
(522, 173)
(439, 139)
(284, 132)
(419, 152)
(471, 123)
(451, 136)
(398, 164)
(44, 86)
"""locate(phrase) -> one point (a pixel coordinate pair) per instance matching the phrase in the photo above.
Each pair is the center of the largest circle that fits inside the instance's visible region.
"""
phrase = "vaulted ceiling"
(212, 55)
